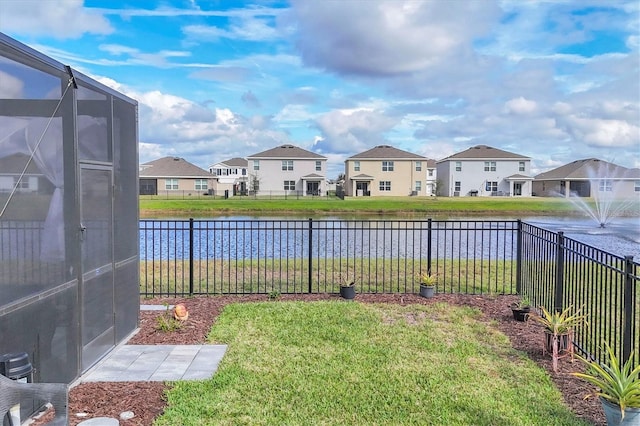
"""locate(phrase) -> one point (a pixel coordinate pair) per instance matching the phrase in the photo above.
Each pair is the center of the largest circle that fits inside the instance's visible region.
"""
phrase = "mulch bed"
(146, 400)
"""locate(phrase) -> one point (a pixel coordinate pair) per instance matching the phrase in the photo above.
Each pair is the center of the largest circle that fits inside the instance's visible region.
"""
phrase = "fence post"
(629, 309)
(310, 248)
(559, 290)
(429, 246)
(519, 259)
(191, 256)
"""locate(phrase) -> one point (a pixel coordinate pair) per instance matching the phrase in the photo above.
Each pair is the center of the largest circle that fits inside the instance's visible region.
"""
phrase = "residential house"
(484, 171)
(14, 176)
(588, 178)
(286, 170)
(173, 175)
(230, 175)
(388, 171)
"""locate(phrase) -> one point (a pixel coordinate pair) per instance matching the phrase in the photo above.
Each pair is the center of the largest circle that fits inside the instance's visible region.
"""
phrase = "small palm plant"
(618, 384)
(559, 327)
(428, 279)
(428, 283)
(561, 322)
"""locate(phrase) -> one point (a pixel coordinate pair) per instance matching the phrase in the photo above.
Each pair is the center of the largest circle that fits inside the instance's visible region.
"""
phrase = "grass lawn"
(346, 363)
(207, 207)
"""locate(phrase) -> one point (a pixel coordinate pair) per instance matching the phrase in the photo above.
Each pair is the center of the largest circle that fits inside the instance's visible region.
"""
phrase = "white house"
(230, 175)
(287, 170)
(484, 171)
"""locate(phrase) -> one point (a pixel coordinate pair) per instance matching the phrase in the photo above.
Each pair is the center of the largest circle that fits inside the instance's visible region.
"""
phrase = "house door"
(97, 286)
(312, 188)
(517, 188)
(362, 188)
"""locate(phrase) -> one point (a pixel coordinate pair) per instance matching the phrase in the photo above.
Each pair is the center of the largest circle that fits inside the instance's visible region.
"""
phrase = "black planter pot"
(521, 314)
(348, 292)
(427, 291)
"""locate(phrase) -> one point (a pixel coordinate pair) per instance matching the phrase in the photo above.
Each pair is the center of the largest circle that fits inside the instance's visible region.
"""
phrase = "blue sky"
(554, 80)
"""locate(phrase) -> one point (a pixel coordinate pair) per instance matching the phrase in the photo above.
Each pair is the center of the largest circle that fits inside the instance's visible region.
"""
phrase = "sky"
(556, 80)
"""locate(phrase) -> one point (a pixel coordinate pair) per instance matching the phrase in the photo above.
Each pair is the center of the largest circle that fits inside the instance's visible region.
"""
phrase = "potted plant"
(619, 388)
(347, 288)
(521, 309)
(558, 333)
(427, 284)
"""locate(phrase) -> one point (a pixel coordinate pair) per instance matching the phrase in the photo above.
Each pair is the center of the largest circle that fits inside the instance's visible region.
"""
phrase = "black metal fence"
(190, 257)
(558, 272)
(313, 256)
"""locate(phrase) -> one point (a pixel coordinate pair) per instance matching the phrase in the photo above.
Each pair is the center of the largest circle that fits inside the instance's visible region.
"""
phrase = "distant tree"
(254, 184)
(437, 187)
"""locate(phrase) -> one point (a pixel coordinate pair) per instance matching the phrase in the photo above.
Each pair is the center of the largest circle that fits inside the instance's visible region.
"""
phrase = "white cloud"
(57, 18)
(387, 37)
(601, 132)
(520, 106)
(10, 86)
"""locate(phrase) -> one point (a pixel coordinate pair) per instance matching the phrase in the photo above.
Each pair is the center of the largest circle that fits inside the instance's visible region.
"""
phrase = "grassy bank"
(419, 206)
(337, 363)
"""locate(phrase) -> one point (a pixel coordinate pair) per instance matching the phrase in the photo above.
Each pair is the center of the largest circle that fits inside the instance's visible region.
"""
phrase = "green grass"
(291, 275)
(207, 207)
(345, 363)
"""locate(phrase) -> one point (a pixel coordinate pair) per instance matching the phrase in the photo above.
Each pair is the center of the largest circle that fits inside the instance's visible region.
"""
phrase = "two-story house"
(287, 170)
(484, 171)
(230, 175)
(173, 175)
(388, 171)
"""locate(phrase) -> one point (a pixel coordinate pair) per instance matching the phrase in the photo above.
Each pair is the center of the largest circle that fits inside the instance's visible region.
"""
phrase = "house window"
(637, 186)
(492, 186)
(318, 166)
(418, 166)
(418, 186)
(171, 184)
(489, 166)
(456, 186)
(521, 166)
(287, 165)
(244, 172)
(289, 185)
(430, 172)
(256, 164)
(356, 166)
(20, 183)
(201, 185)
(385, 185)
(387, 166)
(605, 186)
(458, 166)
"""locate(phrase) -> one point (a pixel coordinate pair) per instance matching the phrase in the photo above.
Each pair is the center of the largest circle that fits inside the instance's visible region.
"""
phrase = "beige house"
(173, 175)
(388, 171)
(588, 178)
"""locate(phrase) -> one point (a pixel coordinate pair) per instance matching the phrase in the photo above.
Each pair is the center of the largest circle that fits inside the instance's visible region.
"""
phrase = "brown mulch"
(146, 400)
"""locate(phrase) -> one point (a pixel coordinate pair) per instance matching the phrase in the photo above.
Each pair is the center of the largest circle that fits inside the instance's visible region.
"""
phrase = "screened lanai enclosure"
(68, 214)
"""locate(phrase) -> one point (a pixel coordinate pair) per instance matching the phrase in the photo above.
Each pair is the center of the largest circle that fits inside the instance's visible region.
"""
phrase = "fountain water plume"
(612, 193)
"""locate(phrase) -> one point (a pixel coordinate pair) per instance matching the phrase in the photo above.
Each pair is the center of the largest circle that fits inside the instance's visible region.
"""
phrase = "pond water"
(620, 237)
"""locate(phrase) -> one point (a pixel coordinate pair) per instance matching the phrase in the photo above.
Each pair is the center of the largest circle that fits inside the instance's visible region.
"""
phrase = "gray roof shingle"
(384, 152)
(484, 152)
(287, 151)
(236, 162)
(589, 168)
(172, 167)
